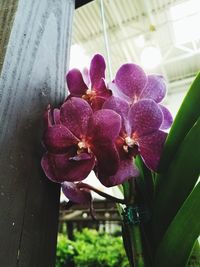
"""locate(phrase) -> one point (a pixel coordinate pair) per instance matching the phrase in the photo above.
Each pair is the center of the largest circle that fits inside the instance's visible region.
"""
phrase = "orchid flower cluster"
(103, 127)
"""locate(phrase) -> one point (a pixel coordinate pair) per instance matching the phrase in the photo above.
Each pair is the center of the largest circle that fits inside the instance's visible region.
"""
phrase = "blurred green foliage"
(90, 249)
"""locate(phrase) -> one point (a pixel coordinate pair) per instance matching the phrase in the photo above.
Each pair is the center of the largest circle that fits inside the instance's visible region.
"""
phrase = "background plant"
(90, 248)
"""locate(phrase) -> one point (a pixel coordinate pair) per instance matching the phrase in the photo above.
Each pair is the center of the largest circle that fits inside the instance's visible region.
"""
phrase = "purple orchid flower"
(76, 194)
(140, 133)
(91, 84)
(133, 85)
(78, 139)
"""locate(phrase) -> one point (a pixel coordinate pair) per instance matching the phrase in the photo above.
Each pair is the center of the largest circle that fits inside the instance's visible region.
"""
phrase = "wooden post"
(33, 56)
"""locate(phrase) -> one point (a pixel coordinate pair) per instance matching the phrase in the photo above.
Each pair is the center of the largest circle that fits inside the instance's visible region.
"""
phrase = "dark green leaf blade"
(185, 119)
(145, 181)
(194, 260)
(177, 182)
(175, 248)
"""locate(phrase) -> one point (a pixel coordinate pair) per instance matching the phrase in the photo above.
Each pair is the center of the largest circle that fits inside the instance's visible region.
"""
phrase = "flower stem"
(133, 229)
(137, 244)
(107, 196)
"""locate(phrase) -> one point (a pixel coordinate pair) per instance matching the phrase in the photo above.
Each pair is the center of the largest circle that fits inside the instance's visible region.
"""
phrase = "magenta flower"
(96, 130)
(140, 133)
(77, 139)
(134, 85)
(76, 194)
(91, 85)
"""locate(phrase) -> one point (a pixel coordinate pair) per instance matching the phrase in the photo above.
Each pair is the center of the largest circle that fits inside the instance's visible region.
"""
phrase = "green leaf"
(194, 260)
(128, 244)
(177, 182)
(126, 188)
(145, 181)
(175, 248)
(185, 119)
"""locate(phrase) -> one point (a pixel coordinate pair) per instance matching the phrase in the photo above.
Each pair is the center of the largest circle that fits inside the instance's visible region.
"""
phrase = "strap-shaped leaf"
(145, 181)
(177, 182)
(185, 119)
(194, 260)
(178, 241)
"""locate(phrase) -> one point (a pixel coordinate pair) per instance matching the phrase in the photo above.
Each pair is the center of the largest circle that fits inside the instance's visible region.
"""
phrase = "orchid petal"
(100, 87)
(75, 83)
(97, 70)
(117, 92)
(167, 118)
(105, 124)
(155, 88)
(86, 77)
(75, 194)
(106, 155)
(81, 156)
(127, 170)
(131, 80)
(57, 138)
(151, 147)
(51, 116)
(104, 128)
(102, 90)
(60, 167)
(96, 102)
(144, 117)
(120, 106)
(75, 114)
(56, 116)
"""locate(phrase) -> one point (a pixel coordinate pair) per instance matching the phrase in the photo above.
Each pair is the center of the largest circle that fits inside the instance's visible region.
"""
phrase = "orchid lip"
(88, 95)
(125, 147)
(82, 145)
(129, 141)
(89, 91)
(135, 99)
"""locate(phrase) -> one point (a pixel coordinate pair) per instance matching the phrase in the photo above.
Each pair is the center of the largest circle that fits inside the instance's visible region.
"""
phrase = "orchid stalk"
(119, 130)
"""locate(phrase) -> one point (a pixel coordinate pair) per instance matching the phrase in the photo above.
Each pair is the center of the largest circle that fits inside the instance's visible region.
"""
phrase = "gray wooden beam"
(33, 75)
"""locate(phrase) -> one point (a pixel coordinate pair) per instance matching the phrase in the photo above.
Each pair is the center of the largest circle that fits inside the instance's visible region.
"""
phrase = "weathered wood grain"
(7, 12)
(32, 76)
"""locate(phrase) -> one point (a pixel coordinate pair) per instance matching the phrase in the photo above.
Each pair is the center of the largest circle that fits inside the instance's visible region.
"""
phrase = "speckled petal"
(96, 102)
(75, 194)
(118, 93)
(131, 80)
(155, 88)
(127, 170)
(75, 83)
(75, 114)
(104, 128)
(151, 147)
(105, 124)
(118, 105)
(107, 156)
(86, 77)
(144, 117)
(60, 168)
(167, 118)
(58, 138)
(97, 70)
(100, 87)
